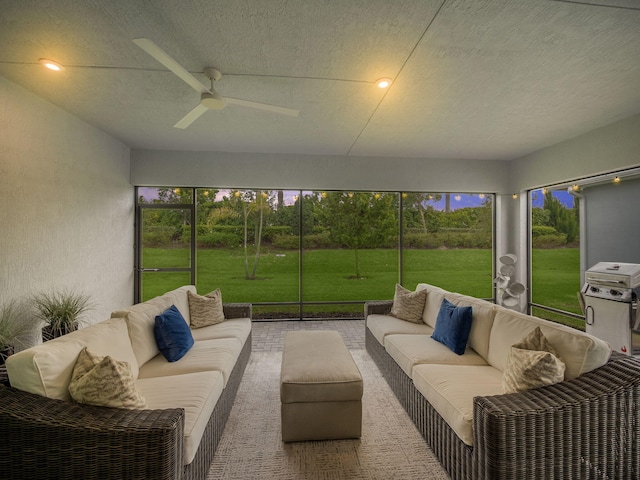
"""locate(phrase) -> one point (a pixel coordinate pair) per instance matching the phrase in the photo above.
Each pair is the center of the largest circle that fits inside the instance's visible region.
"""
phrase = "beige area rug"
(251, 446)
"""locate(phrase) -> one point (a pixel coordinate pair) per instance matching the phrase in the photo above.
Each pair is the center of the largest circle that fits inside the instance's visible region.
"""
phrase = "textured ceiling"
(476, 79)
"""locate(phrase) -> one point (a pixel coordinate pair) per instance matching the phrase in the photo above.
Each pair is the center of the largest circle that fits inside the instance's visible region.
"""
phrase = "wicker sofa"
(585, 427)
(175, 437)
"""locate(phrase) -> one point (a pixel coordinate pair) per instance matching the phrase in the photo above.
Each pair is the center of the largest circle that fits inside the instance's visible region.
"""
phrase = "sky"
(458, 200)
(565, 198)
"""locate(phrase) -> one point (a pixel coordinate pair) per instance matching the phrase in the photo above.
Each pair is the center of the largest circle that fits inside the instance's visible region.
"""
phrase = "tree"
(253, 206)
(420, 202)
(359, 220)
(563, 219)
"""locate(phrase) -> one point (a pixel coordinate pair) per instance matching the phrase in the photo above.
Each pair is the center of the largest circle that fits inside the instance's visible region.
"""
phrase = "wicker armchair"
(54, 439)
(586, 428)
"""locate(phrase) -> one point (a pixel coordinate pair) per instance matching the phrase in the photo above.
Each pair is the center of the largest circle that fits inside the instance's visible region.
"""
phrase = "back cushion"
(483, 314)
(432, 304)
(579, 351)
(46, 369)
(141, 320)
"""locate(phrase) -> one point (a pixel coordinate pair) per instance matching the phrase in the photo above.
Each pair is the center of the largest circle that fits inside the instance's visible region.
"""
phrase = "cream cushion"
(483, 314)
(46, 369)
(450, 389)
(317, 367)
(196, 393)
(141, 319)
(104, 381)
(432, 303)
(579, 351)
(411, 350)
(206, 355)
(179, 298)
(239, 328)
(383, 325)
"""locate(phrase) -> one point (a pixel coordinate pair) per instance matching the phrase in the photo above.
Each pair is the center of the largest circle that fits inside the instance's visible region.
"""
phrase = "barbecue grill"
(610, 297)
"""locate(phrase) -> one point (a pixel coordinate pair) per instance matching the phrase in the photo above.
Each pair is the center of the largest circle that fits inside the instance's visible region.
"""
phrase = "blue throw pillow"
(173, 335)
(453, 326)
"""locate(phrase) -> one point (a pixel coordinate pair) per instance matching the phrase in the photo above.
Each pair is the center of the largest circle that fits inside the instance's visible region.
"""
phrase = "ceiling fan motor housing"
(213, 100)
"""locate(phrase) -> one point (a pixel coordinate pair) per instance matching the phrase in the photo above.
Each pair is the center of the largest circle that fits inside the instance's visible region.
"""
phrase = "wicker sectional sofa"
(187, 401)
(584, 427)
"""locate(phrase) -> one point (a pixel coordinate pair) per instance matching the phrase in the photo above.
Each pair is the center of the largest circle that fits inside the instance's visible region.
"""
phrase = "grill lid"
(612, 274)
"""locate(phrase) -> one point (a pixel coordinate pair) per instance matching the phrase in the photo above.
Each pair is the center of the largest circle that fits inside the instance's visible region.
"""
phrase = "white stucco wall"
(614, 147)
(315, 172)
(66, 205)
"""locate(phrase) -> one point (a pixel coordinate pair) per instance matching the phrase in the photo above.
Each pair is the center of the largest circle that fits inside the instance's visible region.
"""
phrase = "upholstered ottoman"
(320, 388)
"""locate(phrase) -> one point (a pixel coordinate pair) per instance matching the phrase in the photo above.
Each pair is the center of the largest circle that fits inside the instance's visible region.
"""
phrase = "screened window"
(313, 254)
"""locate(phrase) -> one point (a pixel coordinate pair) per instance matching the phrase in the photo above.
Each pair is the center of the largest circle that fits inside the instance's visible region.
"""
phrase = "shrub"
(542, 230)
(157, 236)
(286, 242)
(219, 240)
(549, 241)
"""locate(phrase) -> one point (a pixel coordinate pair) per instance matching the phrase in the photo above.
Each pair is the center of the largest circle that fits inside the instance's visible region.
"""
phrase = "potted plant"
(13, 324)
(60, 311)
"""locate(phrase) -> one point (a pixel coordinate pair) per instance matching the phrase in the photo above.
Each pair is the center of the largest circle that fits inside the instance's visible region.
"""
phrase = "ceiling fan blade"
(263, 106)
(163, 57)
(191, 117)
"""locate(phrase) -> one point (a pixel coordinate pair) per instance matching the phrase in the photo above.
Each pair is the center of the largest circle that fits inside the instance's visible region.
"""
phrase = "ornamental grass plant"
(14, 324)
(60, 310)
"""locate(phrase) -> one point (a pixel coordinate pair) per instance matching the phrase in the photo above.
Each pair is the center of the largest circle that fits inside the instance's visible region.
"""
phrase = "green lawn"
(328, 275)
(556, 278)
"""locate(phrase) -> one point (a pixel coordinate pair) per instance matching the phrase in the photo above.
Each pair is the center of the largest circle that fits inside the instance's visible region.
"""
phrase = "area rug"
(251, 446)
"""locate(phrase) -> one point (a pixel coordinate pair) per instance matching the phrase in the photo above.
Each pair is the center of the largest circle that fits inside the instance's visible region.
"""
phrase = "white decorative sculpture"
(509, 290)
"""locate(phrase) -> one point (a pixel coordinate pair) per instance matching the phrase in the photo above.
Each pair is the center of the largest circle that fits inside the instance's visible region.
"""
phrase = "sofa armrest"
(46, 438)
(379, 307)
(582, 428)
(237, 310)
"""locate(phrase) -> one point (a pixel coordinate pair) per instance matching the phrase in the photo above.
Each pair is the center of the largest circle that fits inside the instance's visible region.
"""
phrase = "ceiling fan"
(209, 98)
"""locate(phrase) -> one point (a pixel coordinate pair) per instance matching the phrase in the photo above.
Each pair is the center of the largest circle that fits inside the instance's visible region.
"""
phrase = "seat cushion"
(46, 369)
(206, 355)
(196, 393)
(450, 389)
(239, 328)
(383, 325)
(411, 350)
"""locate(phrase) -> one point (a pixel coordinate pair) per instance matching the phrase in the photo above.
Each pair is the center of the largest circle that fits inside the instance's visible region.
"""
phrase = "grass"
(556, 278)
(328, 276)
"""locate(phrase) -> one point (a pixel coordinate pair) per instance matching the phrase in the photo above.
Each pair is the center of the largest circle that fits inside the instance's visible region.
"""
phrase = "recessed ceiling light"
(383, 82)
(51, 65)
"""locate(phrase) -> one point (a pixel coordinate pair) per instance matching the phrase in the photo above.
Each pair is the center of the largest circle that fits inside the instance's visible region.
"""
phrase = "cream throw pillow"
(408, 305)
(207, 310)
(532, 363)
(105, 382)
